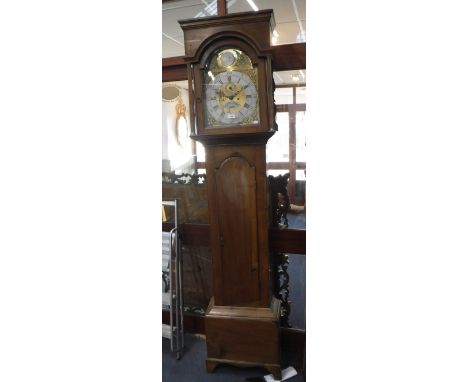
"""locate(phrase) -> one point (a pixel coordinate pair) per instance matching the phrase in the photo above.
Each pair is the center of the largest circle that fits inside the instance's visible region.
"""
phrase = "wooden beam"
(270, 165)
(295, 85)
(281, 240)
(192, 234)
(288, 240)
(278, 165)
(196, 234)
(174, 69)
(285, 165)
(222, 8)
(285, 57)
(192, 323)
(289, 56)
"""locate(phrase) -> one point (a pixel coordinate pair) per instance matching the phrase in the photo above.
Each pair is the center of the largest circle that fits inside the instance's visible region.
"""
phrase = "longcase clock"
(232, 114)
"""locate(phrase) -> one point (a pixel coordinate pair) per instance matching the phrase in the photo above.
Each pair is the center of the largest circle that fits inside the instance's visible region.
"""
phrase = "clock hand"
(231, 97)
(241, 89)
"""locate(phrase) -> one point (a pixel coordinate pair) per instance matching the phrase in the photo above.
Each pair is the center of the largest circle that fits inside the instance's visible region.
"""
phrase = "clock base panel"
(245, 337)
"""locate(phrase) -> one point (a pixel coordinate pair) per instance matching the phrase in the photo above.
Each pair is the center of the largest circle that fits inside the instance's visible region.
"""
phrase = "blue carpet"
(297, 274)
(297, 290)
(191, 367)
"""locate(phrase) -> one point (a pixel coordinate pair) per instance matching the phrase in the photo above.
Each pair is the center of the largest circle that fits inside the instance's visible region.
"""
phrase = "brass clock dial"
(230, 90)
(231, 98)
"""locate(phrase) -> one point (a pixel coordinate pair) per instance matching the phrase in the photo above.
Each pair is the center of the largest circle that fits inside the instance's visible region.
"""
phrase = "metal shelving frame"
(176, 301)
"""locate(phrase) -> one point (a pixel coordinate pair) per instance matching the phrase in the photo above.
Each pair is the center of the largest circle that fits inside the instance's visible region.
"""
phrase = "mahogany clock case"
(249, 32)
(242, 321)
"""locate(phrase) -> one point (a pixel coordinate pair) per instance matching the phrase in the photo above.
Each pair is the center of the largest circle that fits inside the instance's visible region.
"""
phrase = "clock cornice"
(258, 25)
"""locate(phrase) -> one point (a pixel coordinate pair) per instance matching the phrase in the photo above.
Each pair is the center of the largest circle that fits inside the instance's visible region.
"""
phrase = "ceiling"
(290, 16)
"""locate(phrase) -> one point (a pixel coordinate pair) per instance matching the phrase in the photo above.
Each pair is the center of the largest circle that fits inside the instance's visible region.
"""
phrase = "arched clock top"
(234, 40)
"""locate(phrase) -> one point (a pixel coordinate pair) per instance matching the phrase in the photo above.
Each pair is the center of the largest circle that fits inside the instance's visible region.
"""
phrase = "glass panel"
(200, 152)
(290, 17)
(290, 77)
(197, 278)
(273, 172)
(172, 35)
(192, 200)
(284, 96)
(300, 187)
(301, 175)
(301, 93)
(277, 149)
(301, 153)
(180, 179)
(168, 215)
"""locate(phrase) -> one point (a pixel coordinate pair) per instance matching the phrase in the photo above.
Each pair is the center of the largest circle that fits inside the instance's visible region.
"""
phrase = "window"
(286, 150)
